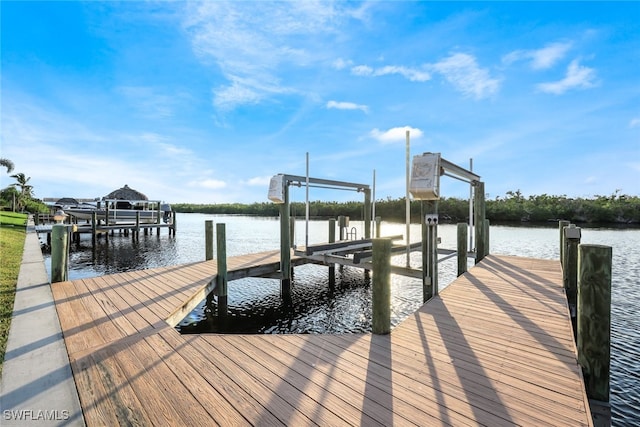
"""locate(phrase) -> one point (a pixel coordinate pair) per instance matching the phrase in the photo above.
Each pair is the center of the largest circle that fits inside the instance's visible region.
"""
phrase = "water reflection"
(255, 305)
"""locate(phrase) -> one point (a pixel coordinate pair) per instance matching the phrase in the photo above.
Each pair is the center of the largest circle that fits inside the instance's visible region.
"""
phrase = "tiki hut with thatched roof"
(67, 201)
(126, 193)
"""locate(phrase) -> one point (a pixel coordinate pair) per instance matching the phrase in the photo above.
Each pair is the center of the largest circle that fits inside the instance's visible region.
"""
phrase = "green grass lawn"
(13, 218)
(12, 235)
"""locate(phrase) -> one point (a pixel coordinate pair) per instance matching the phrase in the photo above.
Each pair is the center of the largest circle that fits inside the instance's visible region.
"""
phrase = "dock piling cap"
(59, 215)
(572, 232)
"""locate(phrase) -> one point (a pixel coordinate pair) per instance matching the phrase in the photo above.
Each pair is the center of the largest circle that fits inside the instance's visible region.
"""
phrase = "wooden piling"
(378, 221)
(429, 250)
(285, 247)
(381, 288)
(94, 228)
(487, 229)
(561, 225)
(136, 233)
(572, 236)
(292, 232)
(332, 238)
(208, 239)
(221, 281)
(367, 213)
(342, 224)
(462, 248)
(59, 253)
(594, 318)
(478, 219)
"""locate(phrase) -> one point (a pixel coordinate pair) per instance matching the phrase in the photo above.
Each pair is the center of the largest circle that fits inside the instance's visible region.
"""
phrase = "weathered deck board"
(494, 348)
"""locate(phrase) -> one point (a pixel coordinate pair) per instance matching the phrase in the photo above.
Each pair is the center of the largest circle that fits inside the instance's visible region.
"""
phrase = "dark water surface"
(255, 305)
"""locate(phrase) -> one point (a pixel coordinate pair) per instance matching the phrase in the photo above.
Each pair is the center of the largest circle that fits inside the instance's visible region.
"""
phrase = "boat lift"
(279, 194)
(424, 186)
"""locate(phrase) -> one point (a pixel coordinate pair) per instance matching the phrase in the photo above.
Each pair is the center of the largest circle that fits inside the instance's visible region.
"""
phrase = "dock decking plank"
(253, 383)
(288, 362)
(220, 382)
(494, 348)
(372, 366)
(316, 402)
(355, 373)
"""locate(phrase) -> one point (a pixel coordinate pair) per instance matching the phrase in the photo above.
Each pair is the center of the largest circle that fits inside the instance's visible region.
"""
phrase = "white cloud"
(341, 64)
(251, 45)
(411, 74)
(397, 134)
(347, 106)
(210, 184)
(577, 77)
(540, 59)
(463, 72)
(362, 70)
(259, 181)
(634, 122)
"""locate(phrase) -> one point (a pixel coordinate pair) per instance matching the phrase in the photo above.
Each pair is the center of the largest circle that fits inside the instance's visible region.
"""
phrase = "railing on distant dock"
(61, 234)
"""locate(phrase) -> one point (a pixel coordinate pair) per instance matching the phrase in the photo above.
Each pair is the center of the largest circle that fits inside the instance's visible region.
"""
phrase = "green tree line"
(513, 207)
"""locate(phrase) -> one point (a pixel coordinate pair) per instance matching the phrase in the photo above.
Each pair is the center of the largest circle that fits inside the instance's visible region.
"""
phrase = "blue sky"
(204, 102)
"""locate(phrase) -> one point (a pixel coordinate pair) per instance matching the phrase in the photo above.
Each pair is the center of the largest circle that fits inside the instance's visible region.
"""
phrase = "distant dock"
(45, 222)
(494, 348)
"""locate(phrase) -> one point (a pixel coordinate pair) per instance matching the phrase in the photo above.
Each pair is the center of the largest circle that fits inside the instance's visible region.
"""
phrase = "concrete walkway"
(37, 386)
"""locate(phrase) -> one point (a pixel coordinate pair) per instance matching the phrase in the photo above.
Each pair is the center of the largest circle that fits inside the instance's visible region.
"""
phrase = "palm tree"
(26, 190)
(7, 164)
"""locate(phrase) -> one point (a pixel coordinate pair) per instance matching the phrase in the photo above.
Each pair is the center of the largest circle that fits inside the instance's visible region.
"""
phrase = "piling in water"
(570, 271)
(208, 239)
(59, 253)
(381, 289)
(462, 248)
(221, 284)
(594, 318)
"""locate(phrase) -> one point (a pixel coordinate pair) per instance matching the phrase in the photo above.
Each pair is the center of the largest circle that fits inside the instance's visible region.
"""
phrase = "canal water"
(255, 305)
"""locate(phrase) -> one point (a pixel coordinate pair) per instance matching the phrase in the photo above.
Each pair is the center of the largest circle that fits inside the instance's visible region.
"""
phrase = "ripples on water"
(255, 305)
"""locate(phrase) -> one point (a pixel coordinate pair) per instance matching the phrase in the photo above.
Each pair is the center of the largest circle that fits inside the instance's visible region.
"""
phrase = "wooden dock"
(494, 348)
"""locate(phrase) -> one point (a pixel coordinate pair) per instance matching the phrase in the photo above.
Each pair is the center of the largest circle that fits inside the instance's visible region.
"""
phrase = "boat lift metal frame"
(285, 231)
(429, 219)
